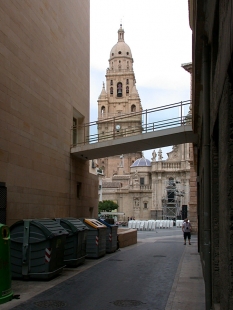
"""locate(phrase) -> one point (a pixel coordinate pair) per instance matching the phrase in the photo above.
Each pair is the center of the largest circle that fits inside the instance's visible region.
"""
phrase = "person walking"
(187, 228)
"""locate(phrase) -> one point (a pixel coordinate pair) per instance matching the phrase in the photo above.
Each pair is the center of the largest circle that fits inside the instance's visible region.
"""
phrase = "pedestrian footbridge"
(161, 126)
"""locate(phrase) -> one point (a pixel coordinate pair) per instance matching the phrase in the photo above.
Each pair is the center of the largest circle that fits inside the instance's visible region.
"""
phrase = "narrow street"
(137, 277)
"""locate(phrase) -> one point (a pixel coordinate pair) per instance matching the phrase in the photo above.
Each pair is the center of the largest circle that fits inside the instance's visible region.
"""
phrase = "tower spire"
(121, 34)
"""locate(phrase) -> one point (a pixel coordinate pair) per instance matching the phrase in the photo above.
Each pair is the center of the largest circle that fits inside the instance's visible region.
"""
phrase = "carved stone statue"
(160, 154)
(154, 155)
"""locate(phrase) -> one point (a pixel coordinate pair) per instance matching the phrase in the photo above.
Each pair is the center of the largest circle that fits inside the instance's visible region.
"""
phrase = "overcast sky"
(158, 33)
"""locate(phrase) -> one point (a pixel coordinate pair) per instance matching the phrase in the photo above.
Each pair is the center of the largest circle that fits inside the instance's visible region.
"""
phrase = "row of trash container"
(41, 248)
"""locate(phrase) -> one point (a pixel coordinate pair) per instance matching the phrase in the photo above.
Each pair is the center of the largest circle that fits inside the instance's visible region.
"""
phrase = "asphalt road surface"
(135, 277)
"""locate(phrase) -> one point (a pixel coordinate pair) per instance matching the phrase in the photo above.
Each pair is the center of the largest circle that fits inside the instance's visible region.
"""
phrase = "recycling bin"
(6, 293)
(96, 238)
(75, 245)
(111, 236)
(37, 249)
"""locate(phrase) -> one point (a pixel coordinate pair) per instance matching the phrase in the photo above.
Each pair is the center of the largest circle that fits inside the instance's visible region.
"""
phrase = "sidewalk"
(188, 290)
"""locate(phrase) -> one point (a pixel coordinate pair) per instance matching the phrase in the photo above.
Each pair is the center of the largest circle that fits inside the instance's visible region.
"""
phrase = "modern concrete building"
(212, 57)
(44, 55)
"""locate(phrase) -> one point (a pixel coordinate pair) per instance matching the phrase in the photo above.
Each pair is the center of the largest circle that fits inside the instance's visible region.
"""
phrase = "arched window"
(133, 108)
(127, 89)
(103, 110)
(119, 89)
(111, 82)
(111, 90)
(127, 81)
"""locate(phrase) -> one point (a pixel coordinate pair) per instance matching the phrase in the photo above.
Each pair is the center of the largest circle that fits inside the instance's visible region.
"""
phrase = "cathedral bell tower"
(118, 104)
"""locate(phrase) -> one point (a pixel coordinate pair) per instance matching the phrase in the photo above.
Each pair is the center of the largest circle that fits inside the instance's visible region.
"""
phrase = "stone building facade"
(138, 185)
(155, 189)
(119, 99)
(211, 23)
(44, 91)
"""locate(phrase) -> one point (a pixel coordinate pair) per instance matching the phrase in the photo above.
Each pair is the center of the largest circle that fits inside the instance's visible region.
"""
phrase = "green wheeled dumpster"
(111, 236)
(6, 293)
(96, 238)
(75, 246)
(37, 249)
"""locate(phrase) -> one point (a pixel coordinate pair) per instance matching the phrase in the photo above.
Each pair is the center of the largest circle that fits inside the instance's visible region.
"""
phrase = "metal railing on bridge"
(158, 118)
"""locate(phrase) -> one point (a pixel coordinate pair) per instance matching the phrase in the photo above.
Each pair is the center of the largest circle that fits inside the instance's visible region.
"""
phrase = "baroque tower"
(119, 106)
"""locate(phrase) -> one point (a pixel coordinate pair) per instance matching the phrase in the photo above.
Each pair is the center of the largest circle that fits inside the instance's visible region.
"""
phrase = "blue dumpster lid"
(71, 224)
(39, 229)
(106, 223)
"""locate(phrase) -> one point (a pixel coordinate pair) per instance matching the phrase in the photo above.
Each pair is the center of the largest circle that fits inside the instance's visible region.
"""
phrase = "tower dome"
(141, 162)
(120, 49)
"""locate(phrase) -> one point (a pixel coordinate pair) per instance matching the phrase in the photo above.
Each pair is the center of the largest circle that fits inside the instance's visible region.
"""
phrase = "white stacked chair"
(153, 226)
(149, 224)
(142, 225)
(130, 224)
(137, 225)
(146, 225)
(133, 224)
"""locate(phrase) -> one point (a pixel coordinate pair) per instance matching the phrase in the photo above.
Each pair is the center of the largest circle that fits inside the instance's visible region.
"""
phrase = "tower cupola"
(121, 49)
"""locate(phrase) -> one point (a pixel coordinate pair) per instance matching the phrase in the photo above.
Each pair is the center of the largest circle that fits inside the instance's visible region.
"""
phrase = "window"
(111, 82)
(74, 131)
(127, 89)
(79, 189)
(145, 205)
(133, 108)
(119, 89)
(111, 90)
(102, 109)
(141, 181)
(119, 52)
(127, 81)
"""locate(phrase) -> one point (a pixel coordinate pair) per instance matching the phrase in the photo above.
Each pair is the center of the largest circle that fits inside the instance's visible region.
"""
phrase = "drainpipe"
(206, 162)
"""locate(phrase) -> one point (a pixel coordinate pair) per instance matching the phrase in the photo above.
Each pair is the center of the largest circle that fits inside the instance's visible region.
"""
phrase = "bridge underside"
(141, 142)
